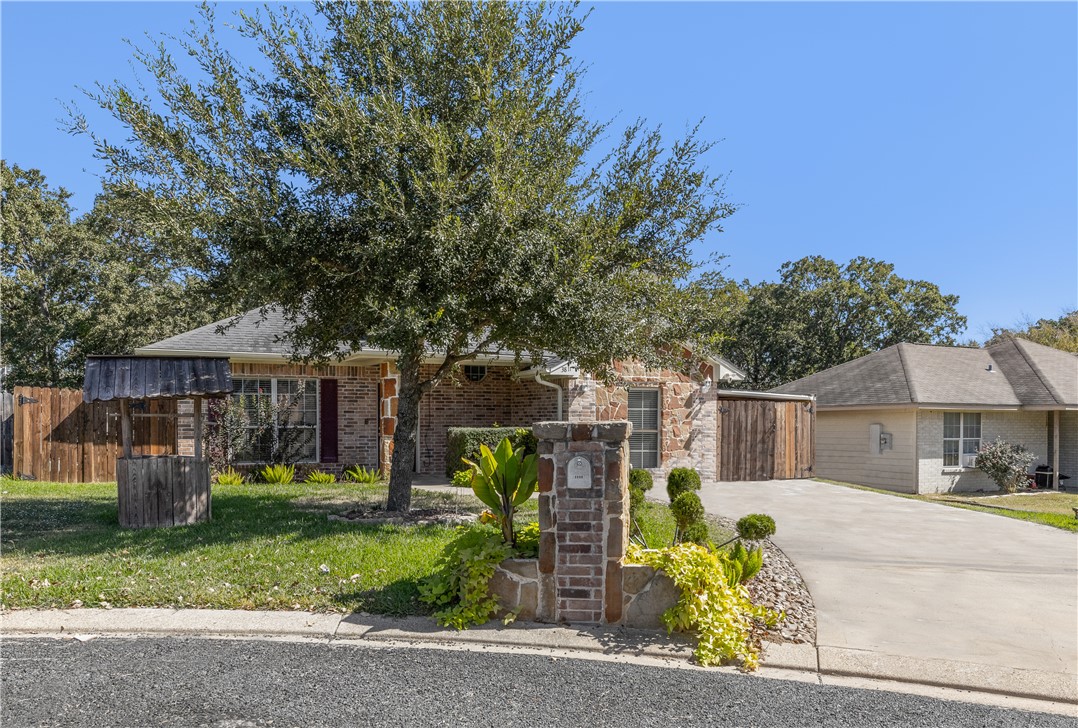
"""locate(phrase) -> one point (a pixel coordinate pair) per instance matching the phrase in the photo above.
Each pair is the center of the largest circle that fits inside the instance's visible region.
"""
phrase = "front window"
(961, 438)
(644, 415)
(281, 419)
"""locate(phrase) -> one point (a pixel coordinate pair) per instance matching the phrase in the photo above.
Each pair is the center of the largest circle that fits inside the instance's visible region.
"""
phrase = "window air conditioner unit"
(969, 461)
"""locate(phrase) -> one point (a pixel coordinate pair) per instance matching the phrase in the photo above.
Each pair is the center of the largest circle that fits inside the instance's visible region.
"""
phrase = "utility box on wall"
(878, 440)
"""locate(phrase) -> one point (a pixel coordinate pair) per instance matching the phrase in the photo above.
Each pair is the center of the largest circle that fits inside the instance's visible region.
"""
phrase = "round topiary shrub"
(640, 479)
(695, 533)
(687, 510)
(755, 527)
(681, 480)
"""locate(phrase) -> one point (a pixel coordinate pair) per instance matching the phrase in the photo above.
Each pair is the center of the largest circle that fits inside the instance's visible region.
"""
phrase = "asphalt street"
(201, 682)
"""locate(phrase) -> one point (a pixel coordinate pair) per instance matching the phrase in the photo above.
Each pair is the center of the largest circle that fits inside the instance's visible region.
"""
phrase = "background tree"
(92, 285)
(1060, 333)
(821, 313)
(417, 177)
(45, 258)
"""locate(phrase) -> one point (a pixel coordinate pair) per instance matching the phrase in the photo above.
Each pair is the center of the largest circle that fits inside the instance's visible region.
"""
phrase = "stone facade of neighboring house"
(352, 410)
(911, 417)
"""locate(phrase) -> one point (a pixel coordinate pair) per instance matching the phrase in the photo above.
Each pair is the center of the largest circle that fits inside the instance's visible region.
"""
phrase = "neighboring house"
(349, 406)
(933, 407)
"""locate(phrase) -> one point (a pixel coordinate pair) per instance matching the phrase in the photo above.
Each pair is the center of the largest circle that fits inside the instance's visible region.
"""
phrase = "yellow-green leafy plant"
(721, 614)
(229, 476)
(319, 478)
(504, 480)
(278, 474)
(360, 474)
(459, 588)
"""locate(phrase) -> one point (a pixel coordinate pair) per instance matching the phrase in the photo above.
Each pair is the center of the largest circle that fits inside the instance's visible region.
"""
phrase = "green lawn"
(61, 546)
(264, 549)
(1049, 508)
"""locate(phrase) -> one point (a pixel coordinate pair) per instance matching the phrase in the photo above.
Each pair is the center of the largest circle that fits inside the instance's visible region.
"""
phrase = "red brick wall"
(459, 402)
(357, 407)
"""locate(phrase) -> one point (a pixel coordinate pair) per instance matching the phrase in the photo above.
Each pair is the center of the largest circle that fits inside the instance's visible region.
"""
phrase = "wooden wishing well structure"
(158, 490)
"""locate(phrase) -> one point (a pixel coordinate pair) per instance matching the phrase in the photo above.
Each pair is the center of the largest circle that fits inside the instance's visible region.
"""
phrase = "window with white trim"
(961, 438)
(644, 415)
(295, 419)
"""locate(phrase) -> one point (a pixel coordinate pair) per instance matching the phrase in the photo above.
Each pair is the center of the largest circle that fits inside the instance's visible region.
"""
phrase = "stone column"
(583, 520)
(389, 379)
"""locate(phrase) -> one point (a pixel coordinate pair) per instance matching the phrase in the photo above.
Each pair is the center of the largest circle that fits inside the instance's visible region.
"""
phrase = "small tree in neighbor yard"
(417, 177)
(1005, 464)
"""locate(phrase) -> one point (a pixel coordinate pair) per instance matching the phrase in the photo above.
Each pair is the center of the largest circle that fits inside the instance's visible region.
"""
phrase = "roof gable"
(1012, 373)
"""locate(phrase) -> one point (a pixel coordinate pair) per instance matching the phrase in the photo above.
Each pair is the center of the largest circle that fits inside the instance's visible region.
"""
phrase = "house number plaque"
(579, 472)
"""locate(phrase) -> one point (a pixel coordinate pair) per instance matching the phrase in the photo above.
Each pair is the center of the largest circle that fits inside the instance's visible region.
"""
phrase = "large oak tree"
(418, 177)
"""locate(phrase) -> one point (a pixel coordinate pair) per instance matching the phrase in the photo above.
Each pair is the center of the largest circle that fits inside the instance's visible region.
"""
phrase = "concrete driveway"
(920, 580)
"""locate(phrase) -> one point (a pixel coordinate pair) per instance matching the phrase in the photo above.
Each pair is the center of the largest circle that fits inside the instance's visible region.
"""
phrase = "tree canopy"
(73, 287)
(821, 313)
(420, 177)
(1060, 333)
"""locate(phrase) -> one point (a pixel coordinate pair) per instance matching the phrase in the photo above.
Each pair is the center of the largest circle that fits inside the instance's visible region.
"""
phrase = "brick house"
(349, 406)
(911, 417)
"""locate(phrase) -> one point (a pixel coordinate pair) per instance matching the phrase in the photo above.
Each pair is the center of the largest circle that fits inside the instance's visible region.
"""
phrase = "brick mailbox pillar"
(583, 520)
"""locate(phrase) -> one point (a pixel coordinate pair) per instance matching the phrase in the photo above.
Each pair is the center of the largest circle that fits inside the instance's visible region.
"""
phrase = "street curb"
(1060, 688)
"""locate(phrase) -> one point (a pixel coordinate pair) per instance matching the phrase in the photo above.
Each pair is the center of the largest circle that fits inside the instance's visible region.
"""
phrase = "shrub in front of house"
(688, 513)
(681, 480)
(640, 479)
(229, 476)
(278, 474)
(1005, 463)
(317, 477)
(755, 527)
(464, 442)
(360, 474)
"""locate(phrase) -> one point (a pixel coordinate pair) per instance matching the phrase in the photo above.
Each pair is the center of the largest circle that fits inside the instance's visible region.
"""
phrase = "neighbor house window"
(644, 415)
(961, 438)
(293, 432)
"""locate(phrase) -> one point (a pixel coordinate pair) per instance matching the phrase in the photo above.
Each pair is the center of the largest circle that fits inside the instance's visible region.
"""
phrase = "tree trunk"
(403, 464)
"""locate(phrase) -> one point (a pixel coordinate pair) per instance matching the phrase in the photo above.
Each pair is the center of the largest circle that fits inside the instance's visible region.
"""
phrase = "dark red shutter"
(327, 419)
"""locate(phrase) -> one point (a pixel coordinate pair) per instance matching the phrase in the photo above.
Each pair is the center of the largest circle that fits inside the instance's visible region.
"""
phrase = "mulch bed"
(779, 586)
(377, 516)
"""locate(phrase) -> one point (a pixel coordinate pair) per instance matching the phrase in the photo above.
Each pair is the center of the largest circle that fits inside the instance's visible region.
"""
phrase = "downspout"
(539, 379)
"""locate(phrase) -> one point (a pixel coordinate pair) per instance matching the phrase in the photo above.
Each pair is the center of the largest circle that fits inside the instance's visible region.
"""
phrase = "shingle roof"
(265, 333)
(254, 332)
(1011, 373)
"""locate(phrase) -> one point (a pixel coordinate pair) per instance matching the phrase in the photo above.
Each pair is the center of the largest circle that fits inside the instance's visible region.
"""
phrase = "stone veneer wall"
(688, 435)
(357, 408)
(646, 593)
(583, 531)
(581, 576)
(1019, 427)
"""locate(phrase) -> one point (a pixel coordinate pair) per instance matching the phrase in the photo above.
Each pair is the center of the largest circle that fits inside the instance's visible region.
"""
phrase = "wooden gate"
(762, 439)
(59, 437)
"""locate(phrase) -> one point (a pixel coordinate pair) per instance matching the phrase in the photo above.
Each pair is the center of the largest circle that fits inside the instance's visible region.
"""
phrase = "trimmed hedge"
(464, 442)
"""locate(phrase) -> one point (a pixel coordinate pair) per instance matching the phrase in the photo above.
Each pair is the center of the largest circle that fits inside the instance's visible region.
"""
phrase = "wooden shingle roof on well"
(1011, 373)
(152, 377)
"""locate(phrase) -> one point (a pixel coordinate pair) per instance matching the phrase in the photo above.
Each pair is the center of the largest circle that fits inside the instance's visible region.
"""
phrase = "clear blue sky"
(940, 137)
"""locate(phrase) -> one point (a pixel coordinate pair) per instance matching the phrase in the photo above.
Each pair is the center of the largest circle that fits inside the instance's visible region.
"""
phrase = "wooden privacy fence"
(763, 439)
(59, 437)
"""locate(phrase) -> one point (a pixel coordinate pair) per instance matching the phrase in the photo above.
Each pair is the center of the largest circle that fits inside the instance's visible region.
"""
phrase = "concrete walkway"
(906, 580)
